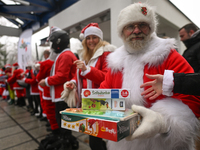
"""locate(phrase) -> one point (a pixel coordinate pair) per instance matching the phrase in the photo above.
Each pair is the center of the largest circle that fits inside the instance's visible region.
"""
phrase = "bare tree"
(3, 55)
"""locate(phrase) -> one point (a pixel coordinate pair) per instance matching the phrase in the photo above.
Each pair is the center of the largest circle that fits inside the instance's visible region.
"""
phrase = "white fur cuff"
(168, 83)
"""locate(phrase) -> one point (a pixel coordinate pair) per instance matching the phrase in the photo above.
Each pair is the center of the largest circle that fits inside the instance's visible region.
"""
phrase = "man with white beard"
(169, 122)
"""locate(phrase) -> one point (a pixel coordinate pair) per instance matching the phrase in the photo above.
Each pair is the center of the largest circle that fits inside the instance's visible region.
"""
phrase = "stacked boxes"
(90, 120)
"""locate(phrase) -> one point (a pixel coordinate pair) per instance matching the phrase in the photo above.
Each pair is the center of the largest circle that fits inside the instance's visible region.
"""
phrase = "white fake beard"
(136, 46)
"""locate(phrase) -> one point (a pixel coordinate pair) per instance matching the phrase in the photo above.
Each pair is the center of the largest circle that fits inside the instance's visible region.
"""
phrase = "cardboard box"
(104, 99)
(101, 123)
(114, 130)
(106, 93)
(103, 104)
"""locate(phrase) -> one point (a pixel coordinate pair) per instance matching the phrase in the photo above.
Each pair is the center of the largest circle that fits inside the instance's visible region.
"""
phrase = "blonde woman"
(91, 69)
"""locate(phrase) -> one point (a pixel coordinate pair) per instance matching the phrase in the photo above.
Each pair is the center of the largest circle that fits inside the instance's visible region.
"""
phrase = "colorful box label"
(103, 104)
(106, 93)
(111, 130)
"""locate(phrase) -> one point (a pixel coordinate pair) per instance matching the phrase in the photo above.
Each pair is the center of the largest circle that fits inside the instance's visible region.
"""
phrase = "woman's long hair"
(87, 54)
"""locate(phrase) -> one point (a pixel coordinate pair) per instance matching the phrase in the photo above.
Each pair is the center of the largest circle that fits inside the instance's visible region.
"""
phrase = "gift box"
(104, 99)
(107, 127)
(112, 124)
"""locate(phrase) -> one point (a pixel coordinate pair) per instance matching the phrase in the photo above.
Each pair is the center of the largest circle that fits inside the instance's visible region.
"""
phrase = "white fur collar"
(102, 49)
(132, 65)
(157, 51)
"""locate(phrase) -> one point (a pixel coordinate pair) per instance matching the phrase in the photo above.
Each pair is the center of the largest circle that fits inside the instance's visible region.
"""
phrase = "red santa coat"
(8, 73)
(128, 71)
(33, 84)
(45, 68)
(47, 104)
(93, 76)
(16, 76)
(62, 70)
(2, 73)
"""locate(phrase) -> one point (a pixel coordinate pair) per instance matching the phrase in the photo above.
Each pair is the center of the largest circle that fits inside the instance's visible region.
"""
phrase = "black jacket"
(187, 83)
(192, 53)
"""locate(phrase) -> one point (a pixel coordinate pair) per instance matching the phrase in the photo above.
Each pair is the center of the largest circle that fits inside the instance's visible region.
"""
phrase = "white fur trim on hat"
(93, 31)
(81, 36)
(133, 13)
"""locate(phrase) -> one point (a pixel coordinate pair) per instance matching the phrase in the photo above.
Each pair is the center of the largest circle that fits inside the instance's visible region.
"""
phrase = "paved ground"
(21, 131)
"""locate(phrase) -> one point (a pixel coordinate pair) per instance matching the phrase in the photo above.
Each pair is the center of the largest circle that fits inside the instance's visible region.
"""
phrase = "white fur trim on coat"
(133, 65)
(183, 125)
(154, 54)
(178, 116)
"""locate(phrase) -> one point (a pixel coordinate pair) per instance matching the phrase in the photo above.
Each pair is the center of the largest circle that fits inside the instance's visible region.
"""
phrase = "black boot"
(48, 129)
(23, 103)
(47, 124)
(12, 101)
(69, 142)
(51, 142)
(74, 143)
(18, 103)
(65, 144)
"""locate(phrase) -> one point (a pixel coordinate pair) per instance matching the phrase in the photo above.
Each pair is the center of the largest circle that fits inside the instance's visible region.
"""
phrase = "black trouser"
(59, 107)
(28, 96)
(96, 143)
(30, 102)
(36, 100)
(21, 101)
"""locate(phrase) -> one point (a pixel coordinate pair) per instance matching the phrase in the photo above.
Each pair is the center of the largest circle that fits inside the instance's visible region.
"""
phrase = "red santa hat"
(15, 65)
(137, 12)
(7, 66)
(91, 29)
(52, 29)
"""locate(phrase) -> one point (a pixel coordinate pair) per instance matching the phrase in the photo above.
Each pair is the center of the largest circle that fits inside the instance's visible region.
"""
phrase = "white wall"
(85, 9)
(172, 20)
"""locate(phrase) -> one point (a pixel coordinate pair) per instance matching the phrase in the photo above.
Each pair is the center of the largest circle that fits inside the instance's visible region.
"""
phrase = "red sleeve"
(13, 78)
(45, 68)
(180, 65)
(113, 80)
(32, 80)
(97, 74)
(64, 67)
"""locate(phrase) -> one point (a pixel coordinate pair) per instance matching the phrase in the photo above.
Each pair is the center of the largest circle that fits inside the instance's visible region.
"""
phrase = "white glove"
(65, 94)
(68, 94)
(20, 82)
(66, 91)
(71, 99)
(152, 124)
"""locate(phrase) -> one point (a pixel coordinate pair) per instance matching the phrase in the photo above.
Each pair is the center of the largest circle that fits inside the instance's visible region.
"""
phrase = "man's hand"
(20, 81)
(80, 65)
(156, 86)
(68, 94)
(69, 85)
(22, 74)
(152, 124)
(42, 82)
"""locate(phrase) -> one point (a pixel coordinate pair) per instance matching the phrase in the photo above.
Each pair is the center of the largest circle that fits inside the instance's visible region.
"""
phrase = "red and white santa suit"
(34, 91)
(128, 71)
(33, 84)
(2, 73)
(13, 80)
(8, 72)
(48, 105)
(96, 69)
(177, 123)
(62, 70)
